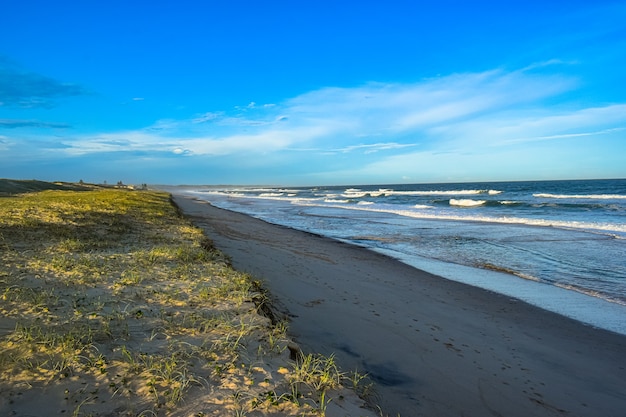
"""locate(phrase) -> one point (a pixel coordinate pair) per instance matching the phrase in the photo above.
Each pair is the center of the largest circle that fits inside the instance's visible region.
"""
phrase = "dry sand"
(434, 347)
(112, 305)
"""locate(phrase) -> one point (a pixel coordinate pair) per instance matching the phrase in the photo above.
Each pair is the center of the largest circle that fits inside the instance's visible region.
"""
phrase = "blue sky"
(312, 92)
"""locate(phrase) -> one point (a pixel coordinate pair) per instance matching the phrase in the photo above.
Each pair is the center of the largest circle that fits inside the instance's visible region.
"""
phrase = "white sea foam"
(259, 190)
(429, 215)
(582, 196)
(365, 203)
(271, 194)
(466, 202)
(494, 192)
(382, 191)
(577, 305)
(354, 194)
(591, 293)
(303, 201)
(426, 212)
(432, 192)
(220, 193)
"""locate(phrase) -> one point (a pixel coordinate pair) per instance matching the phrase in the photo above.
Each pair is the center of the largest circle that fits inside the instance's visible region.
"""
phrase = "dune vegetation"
(111, 303)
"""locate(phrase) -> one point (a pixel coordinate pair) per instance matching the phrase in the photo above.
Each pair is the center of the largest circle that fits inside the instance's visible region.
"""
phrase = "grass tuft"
(110, 294)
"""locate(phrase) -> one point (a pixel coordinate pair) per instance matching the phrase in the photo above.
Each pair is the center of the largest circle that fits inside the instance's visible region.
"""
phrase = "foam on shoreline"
(585, 308)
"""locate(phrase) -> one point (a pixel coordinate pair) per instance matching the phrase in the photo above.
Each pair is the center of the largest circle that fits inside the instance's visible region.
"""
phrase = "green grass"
(12, 187)
(111, 289)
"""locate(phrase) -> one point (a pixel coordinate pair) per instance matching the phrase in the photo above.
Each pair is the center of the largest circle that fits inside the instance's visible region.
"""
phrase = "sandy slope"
(111, 304)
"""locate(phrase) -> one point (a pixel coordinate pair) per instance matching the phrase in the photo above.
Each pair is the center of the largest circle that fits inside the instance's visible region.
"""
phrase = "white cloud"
(206, 117)
(524, 126)
(260, 143)
(375, 147)
(385, 128)
(118, 142)
(571, 135)
(181, 151)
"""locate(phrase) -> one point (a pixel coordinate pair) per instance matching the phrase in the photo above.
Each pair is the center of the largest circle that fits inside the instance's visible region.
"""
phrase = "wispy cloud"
(502, 129)
(333, 119)
(571, 135)
(207, 117)
(374, 147)
(23, 89)
(15, 123)
(382, 128)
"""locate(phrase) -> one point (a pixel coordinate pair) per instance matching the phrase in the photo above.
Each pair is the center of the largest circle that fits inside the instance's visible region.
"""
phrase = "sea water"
(560, 245)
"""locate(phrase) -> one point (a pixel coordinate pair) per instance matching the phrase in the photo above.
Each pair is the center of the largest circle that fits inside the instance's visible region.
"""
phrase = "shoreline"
(553, 289)
(589, 309)
(433, 346)
(584, 308)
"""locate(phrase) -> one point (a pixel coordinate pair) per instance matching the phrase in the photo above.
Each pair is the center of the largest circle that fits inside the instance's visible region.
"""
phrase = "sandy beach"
(112, 304)
(432, 346)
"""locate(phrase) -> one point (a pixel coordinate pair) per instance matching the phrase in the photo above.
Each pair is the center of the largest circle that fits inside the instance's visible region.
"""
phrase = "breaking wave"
(582, 196)
(466, 202)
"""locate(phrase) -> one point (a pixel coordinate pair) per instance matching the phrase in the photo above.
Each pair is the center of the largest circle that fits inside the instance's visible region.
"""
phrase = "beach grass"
(111, 303)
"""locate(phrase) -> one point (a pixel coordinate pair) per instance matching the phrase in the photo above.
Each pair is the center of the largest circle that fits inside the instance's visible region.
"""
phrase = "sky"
(312, 92)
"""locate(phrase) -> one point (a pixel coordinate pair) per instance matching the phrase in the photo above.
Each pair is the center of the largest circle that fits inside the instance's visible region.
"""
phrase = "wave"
(582, 196)
(354, 194)
(497, 268)
(220, 193)
(592, 293)
(382, 191)
(466, 202)
(257, 190)
(387, 192)
(434, 192)
(423, 211)
(605, 228)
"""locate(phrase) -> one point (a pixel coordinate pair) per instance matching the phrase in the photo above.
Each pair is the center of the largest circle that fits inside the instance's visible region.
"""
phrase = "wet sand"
(433, 347)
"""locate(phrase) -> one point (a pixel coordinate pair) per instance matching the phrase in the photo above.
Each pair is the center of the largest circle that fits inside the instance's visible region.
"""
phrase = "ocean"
(560, 245)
